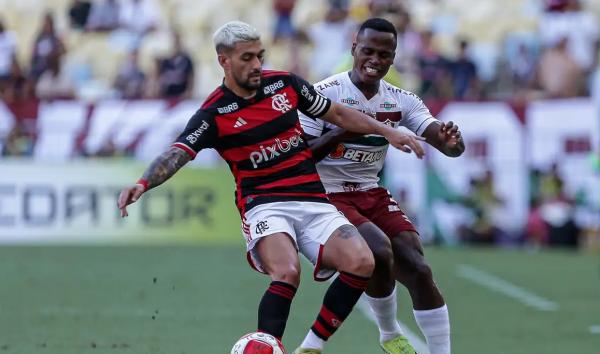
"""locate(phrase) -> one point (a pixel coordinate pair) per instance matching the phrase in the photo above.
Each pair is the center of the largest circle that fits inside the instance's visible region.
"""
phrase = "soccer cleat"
(398, 345)
(307, 351)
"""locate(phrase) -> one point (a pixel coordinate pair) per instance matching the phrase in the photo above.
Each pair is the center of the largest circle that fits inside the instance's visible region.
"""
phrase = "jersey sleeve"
(418, 116)
(200, 133)
(311, 126)
(310, 102)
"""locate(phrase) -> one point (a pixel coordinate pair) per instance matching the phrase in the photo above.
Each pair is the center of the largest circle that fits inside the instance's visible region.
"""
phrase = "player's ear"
(224, 61)
(353, 48)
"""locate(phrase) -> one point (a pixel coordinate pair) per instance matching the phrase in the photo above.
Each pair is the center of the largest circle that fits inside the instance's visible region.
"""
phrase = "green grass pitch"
(199, 300)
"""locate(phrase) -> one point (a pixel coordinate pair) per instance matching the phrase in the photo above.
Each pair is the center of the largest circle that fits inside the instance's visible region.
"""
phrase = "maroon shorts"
(375, 205)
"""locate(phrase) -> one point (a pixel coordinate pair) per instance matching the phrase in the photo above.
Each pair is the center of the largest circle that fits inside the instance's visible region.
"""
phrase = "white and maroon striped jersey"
(356, 163)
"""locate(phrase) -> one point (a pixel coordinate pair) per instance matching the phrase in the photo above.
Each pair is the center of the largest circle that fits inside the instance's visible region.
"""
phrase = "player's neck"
(369, 90)
(237, 89)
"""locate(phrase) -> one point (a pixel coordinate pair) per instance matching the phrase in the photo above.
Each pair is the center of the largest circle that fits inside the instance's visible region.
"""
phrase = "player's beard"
(247, 84)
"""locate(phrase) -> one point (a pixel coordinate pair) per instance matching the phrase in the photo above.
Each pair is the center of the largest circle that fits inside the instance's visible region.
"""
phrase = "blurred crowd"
(43, 75)
(551, 220)
(555, 61)
(558, 58)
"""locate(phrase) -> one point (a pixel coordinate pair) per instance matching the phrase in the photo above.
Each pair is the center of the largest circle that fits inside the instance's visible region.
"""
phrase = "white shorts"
(309, 224)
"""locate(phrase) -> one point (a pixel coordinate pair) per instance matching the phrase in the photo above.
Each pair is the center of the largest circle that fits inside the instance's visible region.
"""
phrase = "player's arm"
(315, 105)
(161, 169)
(358, 122)
(445, 137)
(199, 133)
(322, 145)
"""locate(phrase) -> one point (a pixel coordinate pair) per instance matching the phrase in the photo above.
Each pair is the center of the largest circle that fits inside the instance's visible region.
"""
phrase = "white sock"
(385, 310)
(312, 341)
(435, 326)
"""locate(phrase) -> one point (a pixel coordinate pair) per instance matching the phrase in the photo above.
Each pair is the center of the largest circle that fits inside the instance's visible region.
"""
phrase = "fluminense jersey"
(355, 164)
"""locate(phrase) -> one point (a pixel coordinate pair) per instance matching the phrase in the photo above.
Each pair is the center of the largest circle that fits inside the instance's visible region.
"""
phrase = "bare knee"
(422, 270)
(409, 258)
(360, 263)
(384, 257)
(287, 273)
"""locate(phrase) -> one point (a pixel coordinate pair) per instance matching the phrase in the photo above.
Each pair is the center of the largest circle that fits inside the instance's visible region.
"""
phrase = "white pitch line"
(417, 342)
(595, 329)
(502, 286)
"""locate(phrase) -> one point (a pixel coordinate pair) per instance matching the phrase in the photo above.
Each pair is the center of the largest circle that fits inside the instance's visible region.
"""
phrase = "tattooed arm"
(165, 166)
(200, 133)
(161, 169)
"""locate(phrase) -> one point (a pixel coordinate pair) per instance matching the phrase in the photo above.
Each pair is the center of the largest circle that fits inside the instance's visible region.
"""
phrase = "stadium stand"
(503, 40)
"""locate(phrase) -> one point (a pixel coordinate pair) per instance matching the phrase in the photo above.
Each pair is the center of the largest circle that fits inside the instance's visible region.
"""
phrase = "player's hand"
(129, 195)
(449, 134)
(406, 142)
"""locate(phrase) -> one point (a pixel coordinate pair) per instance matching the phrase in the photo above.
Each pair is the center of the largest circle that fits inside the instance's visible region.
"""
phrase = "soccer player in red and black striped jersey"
(252, 121)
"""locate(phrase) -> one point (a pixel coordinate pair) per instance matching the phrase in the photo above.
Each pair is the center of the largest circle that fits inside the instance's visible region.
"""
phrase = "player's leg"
(414, 273)
(272, 249)
(383, 302)
(382, 281)
(347, 252)
(412, 270)
(339, 247)
(380, 294)
(430, 310)
(279, 259)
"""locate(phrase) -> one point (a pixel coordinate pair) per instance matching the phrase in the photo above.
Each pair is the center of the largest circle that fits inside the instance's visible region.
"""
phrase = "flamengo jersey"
(355, 164)
(261, 139)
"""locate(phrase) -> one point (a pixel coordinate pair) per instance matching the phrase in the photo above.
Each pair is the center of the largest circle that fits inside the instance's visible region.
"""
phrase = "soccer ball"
(258, 343)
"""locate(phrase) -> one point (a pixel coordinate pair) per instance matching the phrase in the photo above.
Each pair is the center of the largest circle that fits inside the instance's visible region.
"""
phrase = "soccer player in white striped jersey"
(349, 167)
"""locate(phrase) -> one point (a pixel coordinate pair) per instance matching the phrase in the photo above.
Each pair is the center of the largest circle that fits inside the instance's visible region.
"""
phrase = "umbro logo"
(239, 122)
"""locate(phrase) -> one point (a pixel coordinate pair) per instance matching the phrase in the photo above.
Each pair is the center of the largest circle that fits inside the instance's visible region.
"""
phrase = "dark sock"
(339, 300)
(274, 308)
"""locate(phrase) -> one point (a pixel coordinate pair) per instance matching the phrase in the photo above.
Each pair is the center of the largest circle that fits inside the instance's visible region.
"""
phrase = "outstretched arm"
(358, 122)
(445, 137)
(161, 169)
(165, 166)
(324, 144)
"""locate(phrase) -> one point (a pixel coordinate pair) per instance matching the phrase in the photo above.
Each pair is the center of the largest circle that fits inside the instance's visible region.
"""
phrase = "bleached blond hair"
(233, 32)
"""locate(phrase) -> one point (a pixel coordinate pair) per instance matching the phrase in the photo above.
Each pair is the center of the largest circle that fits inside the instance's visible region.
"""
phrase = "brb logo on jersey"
(228, 109)
(270, 89)
(192, 138)
(342, 152)
(280, 103)
(270, 152)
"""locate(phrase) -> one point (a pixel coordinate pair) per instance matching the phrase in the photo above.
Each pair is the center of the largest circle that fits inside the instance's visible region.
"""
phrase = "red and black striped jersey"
(261, 139)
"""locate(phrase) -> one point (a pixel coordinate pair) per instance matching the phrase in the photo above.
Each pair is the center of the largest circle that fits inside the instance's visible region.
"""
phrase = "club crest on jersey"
(280, 103)
(390, 123)
(272, 88)
(342, 152)
(276, 149)
(193, 137)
